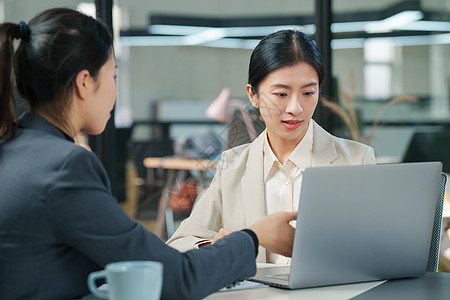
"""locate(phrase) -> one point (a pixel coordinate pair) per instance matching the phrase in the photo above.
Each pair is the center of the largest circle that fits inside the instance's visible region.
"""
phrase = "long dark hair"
(54, 47)
(279, 49)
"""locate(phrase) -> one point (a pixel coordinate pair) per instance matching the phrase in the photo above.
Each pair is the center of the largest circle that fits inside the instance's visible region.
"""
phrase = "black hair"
(54, 47)
(279, 49)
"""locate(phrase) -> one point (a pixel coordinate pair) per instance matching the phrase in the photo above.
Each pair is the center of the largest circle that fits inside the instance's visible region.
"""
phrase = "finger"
(225, 231)
(288, 254)
(216, 238)
(292, 216)
(284, 253)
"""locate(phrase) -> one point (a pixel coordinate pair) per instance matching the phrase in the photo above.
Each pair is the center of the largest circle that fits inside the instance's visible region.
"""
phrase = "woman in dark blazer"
(58, 220)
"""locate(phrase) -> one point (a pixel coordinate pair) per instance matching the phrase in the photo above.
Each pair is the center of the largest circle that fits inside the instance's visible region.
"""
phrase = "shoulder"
(64, 160)
(83, 167)
(340, 143)
(236, 152)
(344, 150)
(241, 155)
(44, 150)
(350, 145)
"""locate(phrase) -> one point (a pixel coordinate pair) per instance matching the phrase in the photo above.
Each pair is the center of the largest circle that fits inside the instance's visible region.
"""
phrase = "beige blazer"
(235, 198)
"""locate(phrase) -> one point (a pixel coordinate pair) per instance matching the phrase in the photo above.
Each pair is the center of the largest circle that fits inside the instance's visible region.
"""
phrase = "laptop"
(360, 223)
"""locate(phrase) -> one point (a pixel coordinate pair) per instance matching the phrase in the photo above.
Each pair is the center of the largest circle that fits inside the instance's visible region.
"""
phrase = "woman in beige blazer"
(285, 74)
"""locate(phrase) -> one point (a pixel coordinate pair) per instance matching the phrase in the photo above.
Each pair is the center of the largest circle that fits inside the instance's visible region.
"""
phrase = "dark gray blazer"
(59, 222)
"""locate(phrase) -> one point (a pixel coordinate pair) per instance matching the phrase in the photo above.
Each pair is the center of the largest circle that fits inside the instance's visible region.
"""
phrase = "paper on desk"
(245, 284)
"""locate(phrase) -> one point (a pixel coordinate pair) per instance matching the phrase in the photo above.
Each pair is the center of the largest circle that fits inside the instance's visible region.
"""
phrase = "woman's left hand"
(223, 232)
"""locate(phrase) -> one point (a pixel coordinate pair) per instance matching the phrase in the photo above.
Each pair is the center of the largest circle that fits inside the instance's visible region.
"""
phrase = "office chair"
(429, 146)
(433, 258)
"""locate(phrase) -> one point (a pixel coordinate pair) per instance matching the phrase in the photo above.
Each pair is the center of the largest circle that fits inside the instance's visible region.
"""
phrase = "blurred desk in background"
(171, 165)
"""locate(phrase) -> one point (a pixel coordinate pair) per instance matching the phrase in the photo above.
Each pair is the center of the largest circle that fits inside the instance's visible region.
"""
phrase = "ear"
(252, 96)
(82, 84)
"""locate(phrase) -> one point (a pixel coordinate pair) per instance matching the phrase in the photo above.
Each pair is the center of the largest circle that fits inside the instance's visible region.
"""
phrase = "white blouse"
(282, 182)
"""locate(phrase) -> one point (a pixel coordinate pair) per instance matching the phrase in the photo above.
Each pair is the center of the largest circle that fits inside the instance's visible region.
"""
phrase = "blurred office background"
(388, 58)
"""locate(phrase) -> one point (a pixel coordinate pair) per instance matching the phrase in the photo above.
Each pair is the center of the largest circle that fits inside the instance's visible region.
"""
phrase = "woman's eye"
(280, 94)
(309, 93)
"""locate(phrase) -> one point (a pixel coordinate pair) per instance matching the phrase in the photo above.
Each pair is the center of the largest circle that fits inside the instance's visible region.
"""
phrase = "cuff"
(202, 243)
(254, 238)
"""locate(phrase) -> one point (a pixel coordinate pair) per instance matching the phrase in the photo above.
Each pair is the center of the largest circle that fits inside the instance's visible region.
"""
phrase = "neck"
(282, 148)
(64, 127)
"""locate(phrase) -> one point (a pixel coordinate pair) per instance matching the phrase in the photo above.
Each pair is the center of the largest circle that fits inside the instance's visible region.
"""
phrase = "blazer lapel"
(252, 183)
(252, 188)
(324, 149)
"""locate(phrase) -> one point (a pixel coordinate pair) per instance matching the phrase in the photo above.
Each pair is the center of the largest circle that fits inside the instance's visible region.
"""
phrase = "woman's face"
(102, 98)
(287, 98)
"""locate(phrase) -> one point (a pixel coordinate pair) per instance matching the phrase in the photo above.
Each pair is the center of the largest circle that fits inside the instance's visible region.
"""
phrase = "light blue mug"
(129, 280)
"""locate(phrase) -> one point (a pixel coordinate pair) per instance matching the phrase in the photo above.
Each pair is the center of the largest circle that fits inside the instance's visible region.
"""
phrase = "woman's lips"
(291, 124)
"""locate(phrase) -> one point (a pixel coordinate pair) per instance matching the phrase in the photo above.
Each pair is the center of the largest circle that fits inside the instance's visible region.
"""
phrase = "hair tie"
(24, 31)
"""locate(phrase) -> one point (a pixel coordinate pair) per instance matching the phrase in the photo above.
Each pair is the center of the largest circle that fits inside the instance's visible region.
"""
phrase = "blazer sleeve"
(83, 214)
(205, 219)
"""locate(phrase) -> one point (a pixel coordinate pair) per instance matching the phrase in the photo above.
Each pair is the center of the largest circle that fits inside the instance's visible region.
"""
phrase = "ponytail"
(59, 43)
(8, 109)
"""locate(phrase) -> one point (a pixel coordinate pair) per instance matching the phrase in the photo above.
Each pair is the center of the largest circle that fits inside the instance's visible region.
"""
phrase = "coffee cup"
(128, 280)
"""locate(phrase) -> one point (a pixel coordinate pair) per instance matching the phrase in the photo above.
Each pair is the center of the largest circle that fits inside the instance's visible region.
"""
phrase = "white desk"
(434, 286)
(345, 291)
(431, 286)
(338, 292)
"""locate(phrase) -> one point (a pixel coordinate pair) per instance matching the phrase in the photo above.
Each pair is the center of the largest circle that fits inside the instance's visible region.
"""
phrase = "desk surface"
(430, 286)
(338, 292)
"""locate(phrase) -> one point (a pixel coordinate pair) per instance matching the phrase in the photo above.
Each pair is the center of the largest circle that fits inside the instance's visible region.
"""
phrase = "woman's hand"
(223, 232)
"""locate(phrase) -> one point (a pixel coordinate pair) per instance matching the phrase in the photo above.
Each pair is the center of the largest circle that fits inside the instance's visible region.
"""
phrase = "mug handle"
(93, 287)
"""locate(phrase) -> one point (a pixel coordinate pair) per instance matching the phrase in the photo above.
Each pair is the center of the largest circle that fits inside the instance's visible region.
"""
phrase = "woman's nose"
(294, 107)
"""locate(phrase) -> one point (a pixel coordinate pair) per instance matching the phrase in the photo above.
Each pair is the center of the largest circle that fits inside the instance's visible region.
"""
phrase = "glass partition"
(390, 60)
(394, 68)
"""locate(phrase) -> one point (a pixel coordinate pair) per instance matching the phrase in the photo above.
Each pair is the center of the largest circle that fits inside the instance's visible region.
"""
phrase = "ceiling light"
(418, 40)
(175, 29)
(348, 27)
(398, 20)
(205, 36)
(427, 26)
(144, 41)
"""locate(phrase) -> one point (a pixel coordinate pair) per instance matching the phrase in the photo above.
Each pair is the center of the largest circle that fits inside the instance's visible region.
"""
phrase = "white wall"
(345, 62)
(24, 10)
(185, 73)
(416, 70)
